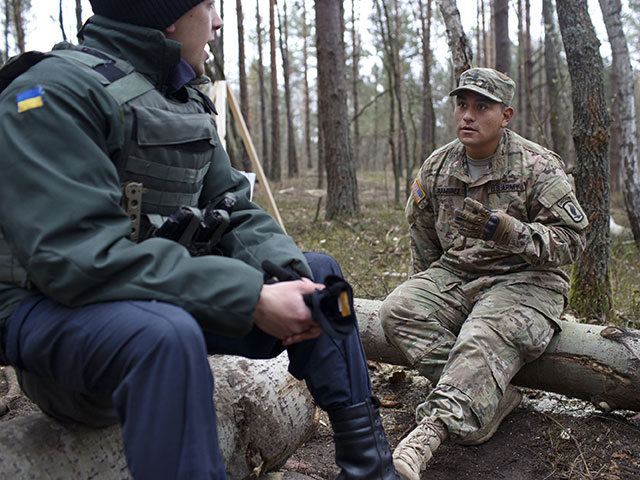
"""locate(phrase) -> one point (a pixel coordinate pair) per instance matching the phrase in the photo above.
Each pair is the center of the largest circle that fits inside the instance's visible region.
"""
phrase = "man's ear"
(507, 115)
(171, 28)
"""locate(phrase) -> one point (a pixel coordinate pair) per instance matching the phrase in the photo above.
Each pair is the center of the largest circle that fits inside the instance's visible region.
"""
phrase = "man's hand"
(282, 313)
(477, 221)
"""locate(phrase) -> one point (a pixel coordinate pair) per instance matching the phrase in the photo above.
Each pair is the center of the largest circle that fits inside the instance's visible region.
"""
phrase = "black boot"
(362, 450)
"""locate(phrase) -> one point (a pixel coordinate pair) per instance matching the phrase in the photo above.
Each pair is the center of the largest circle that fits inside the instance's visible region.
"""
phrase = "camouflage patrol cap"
(487, 82)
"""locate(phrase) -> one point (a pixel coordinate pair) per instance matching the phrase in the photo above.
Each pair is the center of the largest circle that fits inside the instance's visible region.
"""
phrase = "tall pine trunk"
(292, 156)
(389, 68)
(275, 170)
(305, 83)
(263, 95)
(554, 83)
(78, 15)
(590, 294)
(342, 185)
(625, 95)
(19, 24)
(355, 74)
(501, 36)
(242, 75)
(428, 115)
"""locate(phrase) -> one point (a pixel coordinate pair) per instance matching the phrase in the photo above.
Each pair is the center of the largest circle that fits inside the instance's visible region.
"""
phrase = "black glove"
(477, 221)
(331, 308)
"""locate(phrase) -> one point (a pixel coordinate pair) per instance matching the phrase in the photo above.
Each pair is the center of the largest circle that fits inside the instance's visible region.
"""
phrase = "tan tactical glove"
(477, 221)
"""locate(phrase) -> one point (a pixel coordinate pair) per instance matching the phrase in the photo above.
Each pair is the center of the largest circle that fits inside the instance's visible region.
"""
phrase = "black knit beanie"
(157, 14)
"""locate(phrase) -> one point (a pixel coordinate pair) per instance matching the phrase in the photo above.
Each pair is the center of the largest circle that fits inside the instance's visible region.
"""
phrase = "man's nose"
(216, 22)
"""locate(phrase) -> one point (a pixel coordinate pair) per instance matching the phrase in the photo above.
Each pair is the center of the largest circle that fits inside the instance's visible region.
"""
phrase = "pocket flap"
(159, 127)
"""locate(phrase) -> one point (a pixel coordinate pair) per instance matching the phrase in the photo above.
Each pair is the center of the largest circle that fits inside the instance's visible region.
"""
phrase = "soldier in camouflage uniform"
(492, 218)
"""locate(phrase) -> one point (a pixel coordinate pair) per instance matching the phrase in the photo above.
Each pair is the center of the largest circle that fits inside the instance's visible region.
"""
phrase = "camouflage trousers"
(469, 339)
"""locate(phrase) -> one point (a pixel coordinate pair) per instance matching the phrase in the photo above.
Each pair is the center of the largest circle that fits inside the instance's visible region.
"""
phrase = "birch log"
(591, 362)
(264, 415)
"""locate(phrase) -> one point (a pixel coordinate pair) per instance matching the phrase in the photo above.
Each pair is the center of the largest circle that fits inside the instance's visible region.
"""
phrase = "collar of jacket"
(147, 49)
(457, 159)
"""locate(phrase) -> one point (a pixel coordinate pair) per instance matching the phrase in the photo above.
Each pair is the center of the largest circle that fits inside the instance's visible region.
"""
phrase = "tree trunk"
(591, 362)
(590, 294)
(18, 23)
(521, 121)
(501, 36)
(79, 22)
(275, 170)
(242, 77)
(528, 73)
(263, 416)
(263, 94)
(625, 94)
(492, 34)
(457, 40)
(292, 156)
(389, 67)
(7, 24)
(342, 186)
(486, 56)
(479, 28)
(355, 74)
(305, 83)
(615, 131)
(554, 83)
(428, 114)
(322, 167)
(61, 22)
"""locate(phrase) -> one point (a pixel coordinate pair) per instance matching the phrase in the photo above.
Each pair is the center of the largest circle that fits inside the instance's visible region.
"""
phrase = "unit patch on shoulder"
(574, 212)
(417, 191)
(30, 99)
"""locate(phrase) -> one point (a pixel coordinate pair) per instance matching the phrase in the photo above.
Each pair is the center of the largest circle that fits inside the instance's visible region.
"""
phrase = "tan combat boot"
(509, 401)
(414, 452)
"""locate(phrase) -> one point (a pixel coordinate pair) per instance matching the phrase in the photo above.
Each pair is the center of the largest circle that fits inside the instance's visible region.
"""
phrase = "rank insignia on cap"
(417, 191)
(30, 99)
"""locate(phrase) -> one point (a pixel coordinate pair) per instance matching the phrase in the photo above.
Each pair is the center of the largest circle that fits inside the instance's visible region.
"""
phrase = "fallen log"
(591, 362)
(264, 415)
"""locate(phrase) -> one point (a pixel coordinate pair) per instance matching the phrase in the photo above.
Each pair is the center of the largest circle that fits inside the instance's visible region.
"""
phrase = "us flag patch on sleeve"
(417, 191)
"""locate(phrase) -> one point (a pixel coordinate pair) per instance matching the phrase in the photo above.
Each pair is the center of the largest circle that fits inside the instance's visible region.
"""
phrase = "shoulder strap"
(122, 82)
(17, 66)
(119, 78)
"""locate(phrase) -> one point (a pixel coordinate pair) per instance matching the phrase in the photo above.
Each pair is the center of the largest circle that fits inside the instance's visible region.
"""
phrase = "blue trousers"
(144, 364)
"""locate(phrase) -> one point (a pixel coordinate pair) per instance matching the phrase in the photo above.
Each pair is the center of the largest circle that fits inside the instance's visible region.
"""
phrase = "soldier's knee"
(389, 315)
(171, 330)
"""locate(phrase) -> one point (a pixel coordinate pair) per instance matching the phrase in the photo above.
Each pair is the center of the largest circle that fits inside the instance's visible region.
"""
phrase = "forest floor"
(547, 437)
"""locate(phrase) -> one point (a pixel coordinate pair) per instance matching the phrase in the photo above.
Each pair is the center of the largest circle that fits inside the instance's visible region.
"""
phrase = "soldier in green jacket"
(106, 316)
(492, 217)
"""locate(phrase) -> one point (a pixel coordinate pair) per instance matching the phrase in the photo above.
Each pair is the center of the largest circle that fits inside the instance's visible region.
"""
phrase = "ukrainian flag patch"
(417, 191)
(30, 99)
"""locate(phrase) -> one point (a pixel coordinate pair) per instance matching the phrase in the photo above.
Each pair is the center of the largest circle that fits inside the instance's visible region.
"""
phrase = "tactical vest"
(168, 144)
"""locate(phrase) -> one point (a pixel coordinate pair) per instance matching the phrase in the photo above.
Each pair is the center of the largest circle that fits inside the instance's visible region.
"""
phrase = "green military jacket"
(60, 192)
(526, 181)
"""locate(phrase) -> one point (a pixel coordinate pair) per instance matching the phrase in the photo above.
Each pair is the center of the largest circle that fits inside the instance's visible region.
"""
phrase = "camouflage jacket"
(526, 181)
